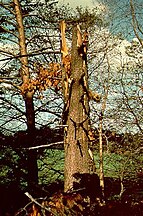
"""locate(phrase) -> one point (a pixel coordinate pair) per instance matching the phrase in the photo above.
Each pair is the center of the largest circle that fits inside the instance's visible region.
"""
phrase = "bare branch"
(135, 22)
(7, 53)
(5, 30)
(12, 105)
(7, 8)
(10, 83)
(30, 54)
(37, 203)
(45, 146)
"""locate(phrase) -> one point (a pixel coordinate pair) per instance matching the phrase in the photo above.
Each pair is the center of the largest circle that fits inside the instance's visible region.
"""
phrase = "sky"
(119, 11)
(85, 3)
(111, 6)
(75, 3)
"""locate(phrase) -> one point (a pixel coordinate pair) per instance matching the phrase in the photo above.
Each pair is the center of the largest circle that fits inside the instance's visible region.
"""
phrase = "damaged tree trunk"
(77, 157)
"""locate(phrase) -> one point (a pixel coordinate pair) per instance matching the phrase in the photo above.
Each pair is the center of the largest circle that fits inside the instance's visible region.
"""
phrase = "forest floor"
(14, 202)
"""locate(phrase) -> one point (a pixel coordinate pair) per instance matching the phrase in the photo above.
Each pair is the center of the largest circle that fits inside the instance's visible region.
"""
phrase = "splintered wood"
(64, 48)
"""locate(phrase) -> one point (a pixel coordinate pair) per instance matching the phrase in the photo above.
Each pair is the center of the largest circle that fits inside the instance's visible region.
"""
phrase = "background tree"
(28, 97)
(27, 71)
(124, 91)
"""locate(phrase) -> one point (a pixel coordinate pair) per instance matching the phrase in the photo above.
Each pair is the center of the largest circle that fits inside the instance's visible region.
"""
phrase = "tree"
(31, 75)
(76, 113)
(42, 78)
(32, 81)
(112, 73)
(43, 47)
(123, 111)
(137, 28)
(28, 98)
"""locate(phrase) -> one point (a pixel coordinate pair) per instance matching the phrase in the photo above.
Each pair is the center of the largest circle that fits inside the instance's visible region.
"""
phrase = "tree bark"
(77, 158)
(28, 98)
(101, 153)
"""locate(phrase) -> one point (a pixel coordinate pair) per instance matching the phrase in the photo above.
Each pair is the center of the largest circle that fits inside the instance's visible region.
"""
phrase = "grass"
(51, 165)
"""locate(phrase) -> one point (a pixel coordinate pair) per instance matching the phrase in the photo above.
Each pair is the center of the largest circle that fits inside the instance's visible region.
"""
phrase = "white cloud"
(102, 8)
(75, 3)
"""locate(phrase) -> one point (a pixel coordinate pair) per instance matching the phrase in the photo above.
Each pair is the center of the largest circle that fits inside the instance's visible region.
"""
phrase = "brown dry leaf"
(34, 211)
(46, 77)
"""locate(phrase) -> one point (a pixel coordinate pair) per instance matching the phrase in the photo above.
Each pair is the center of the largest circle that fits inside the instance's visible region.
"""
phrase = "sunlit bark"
(28, 98)
(77, 157)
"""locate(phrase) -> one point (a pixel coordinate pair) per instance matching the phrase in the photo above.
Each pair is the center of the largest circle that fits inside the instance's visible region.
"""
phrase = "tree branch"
(30, 54)
(37, 203)
(12, 105)
(135, 22)
(7, 8)
(44, 146)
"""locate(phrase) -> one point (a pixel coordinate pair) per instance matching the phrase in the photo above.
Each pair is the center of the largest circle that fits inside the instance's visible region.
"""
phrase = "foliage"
(117, 164)
(51, 166)
(14, 158)
(51, 161)
(45, 78)
(12, 167)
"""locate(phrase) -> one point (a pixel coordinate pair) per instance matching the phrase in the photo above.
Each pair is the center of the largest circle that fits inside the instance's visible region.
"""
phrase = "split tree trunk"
(77, 158)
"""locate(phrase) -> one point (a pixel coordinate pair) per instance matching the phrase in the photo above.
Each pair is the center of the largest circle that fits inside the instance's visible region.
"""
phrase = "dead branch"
(135, 23)
(44, 146)
(37, 203)
(29, 55)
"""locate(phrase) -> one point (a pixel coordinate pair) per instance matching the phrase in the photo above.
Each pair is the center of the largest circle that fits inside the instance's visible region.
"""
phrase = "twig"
(23, 209)
(29, 55)
(37, 203)
(44, 146)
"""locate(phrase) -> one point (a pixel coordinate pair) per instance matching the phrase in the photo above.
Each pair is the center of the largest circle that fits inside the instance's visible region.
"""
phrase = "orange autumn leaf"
(45, 78)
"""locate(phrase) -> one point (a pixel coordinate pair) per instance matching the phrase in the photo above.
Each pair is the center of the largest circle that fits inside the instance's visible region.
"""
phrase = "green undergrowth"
(51, 165)
(120, 165)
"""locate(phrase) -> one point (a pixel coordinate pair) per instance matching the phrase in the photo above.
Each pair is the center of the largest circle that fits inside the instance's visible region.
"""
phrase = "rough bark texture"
(28, 98)
(32, 154)
(77, 158)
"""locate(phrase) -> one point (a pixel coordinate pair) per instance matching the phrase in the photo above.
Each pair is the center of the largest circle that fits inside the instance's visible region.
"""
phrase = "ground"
(15, 203)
